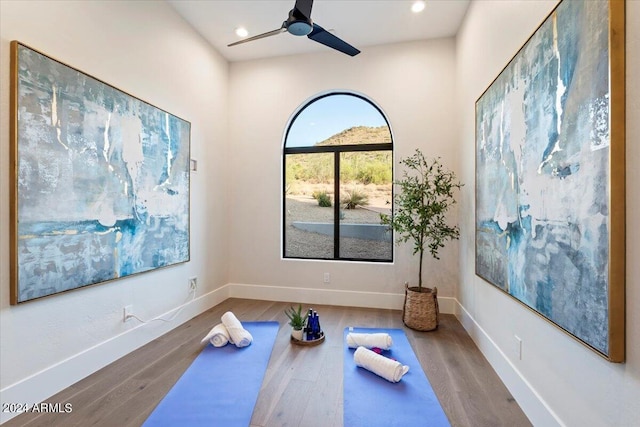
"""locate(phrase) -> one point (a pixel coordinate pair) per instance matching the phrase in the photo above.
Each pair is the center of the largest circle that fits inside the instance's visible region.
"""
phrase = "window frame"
(337, 150)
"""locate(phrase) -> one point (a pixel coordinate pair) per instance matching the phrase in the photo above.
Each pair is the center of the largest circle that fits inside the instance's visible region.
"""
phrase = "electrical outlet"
(127, 312)
(517, 347)
(193, 283)
(326, 278)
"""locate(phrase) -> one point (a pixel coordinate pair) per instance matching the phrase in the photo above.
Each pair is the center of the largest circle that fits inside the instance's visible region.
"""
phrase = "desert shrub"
(319, 168)
(362, 167)
(294, 171)
(315, 167)
(348, 170)
(324, 200)
(354, 198)
(366, 168)
(374, 173)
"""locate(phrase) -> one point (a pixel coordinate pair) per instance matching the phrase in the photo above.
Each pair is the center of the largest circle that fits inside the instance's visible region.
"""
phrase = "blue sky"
(331, 115)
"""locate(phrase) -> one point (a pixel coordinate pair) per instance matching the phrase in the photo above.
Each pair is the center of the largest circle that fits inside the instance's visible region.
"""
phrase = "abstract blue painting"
(101, 180)
(543, 139)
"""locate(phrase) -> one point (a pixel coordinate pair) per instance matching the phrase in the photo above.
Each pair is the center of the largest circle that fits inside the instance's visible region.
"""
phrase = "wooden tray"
(308, 343)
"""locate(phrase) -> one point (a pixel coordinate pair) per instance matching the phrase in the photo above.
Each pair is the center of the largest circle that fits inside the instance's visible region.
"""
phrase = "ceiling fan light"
(242, 32)
(299, 28)
(418, 6)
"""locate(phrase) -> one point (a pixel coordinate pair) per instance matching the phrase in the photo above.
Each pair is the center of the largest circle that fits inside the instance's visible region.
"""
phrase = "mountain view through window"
(338, 172)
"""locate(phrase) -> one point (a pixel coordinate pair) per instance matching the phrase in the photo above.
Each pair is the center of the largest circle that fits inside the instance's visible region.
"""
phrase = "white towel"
(379, 340)
(390, 370)
(218, 336)
(239, 335)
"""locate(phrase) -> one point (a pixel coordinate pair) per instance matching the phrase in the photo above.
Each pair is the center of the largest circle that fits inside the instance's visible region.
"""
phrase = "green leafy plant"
(421, 204)
(324, 200)
(296, 318)
(354, 198)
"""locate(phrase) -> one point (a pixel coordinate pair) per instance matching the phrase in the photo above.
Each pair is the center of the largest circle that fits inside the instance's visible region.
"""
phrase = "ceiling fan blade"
(321, 35)
(304, 7)
(260, 36)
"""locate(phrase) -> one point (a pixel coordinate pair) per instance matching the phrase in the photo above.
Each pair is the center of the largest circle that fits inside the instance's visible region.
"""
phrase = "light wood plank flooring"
(125, 392)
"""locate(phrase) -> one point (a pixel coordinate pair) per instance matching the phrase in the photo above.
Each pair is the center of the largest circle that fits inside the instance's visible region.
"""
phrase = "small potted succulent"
(297, 321)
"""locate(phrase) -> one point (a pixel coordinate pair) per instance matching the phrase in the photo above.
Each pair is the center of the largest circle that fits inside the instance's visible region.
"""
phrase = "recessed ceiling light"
(417, 6)
(242, 32)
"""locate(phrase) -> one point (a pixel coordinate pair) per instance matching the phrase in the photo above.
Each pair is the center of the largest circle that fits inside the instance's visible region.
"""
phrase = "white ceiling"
(361, 23)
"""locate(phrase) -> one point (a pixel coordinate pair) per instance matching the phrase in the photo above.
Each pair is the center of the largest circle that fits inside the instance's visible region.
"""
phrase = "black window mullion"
(339, 148)
(336, 204)
(284, 207)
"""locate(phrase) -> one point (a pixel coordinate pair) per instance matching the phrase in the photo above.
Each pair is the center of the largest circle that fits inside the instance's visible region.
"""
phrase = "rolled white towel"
(379, 340)
(390, 370)
(218, 336)
(239, 335)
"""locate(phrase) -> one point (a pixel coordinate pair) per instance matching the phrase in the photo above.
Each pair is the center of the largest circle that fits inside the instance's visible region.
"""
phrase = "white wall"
(46, 345)
(558, 381)
(146, 49)
(413, 83)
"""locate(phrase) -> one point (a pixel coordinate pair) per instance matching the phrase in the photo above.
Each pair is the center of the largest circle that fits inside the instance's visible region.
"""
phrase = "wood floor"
(126, 392)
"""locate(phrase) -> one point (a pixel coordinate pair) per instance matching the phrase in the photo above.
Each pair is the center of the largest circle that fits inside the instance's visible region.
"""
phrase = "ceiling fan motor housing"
(297, 24)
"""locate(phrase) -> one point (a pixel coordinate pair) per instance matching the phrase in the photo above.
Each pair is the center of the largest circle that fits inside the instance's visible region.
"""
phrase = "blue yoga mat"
(370, 400)
(221, 386)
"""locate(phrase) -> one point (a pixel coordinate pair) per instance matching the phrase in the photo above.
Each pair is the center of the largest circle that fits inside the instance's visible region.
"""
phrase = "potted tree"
(420, 206)
(297, 321)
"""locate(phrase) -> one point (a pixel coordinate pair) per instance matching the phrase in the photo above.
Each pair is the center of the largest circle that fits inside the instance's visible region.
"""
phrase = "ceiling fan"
(299, 24)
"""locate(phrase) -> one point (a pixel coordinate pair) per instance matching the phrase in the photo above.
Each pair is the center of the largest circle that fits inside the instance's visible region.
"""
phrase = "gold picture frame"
(550, 175)
(100, 180)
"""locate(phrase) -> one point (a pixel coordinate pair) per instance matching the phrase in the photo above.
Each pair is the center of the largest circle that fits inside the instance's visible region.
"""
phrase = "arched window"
(338, 172)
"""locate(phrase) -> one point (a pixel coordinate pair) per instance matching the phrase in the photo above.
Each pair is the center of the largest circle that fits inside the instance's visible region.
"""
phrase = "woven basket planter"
(421, 308)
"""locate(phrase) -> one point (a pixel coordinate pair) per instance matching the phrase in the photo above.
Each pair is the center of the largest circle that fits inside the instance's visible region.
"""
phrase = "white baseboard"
(532, 404)
(42, 385)
(329, 297)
